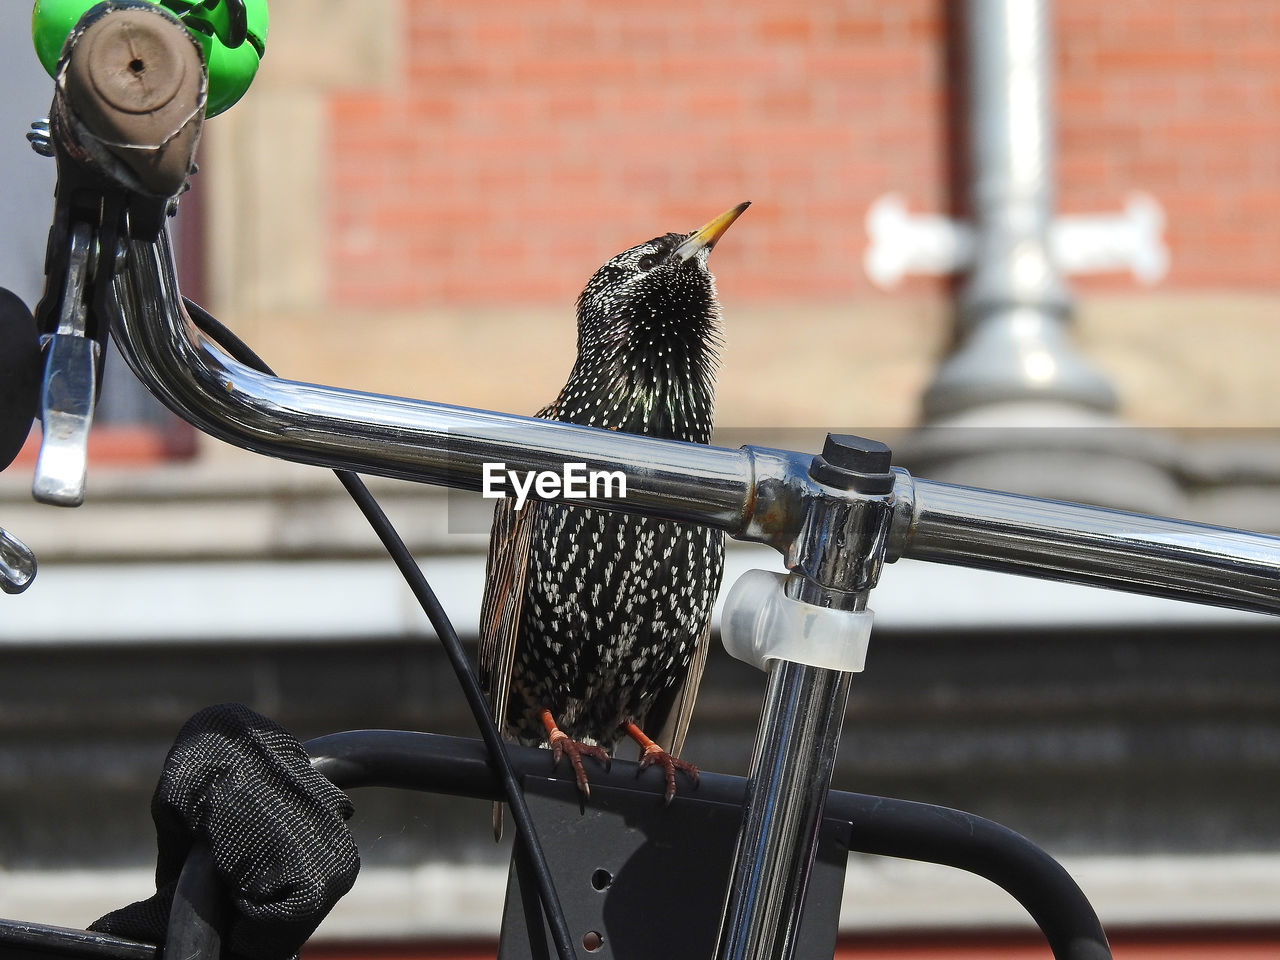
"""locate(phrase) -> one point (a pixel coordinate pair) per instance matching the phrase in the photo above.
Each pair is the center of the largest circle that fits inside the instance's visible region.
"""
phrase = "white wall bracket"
(903, 243)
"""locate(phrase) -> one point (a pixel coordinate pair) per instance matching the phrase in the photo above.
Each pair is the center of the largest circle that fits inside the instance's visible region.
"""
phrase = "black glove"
(276, 830)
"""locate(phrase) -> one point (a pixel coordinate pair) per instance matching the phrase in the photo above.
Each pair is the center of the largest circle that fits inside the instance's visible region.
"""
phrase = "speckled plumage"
(600, 617)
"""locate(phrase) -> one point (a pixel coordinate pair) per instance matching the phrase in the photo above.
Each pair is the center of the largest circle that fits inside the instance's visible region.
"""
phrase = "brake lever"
(124, 149)
(70, 385)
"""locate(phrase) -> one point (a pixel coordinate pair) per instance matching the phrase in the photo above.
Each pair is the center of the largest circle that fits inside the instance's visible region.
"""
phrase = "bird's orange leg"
(561, 745)
(654, 754)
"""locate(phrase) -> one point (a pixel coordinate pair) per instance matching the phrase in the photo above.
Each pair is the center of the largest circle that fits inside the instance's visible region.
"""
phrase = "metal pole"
(1015, 305)
(787, 786)
(837, 560)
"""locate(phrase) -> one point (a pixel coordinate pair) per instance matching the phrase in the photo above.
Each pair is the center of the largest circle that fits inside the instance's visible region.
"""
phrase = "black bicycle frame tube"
(892, 828)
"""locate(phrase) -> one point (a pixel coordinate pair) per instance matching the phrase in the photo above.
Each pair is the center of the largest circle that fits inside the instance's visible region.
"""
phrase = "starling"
(595, 624)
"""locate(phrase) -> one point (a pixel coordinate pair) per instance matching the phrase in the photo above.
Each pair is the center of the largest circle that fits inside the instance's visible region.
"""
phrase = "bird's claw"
(655, 755)
(561, 745)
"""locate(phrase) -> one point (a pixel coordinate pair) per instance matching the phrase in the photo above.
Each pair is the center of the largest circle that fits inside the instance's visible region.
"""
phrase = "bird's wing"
(669, 717)
(504, 590)
(671, 713)
(505, 573)
(504, 582)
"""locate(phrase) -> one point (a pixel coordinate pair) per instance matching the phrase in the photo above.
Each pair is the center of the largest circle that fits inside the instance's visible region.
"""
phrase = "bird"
(595, 624)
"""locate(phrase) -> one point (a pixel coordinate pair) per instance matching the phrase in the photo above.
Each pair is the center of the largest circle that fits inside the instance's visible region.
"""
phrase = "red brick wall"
(1181, 99)
(532, 140)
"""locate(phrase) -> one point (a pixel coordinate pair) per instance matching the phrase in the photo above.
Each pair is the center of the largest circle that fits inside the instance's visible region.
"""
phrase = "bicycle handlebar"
(753, 493)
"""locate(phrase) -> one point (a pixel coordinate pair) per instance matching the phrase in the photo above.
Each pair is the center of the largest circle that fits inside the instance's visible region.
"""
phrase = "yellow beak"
(707, 235)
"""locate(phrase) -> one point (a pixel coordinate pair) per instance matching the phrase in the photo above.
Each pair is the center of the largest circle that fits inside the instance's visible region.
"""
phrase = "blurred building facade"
(448, 177)
(408, 202)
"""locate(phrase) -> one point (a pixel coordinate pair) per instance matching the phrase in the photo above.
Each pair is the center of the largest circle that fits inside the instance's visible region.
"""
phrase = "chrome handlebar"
(753, 493)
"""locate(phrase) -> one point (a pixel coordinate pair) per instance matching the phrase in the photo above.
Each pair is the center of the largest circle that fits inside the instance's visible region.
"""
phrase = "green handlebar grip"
(233, 36)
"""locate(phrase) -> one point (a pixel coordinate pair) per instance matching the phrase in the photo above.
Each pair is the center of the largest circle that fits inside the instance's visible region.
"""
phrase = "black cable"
(529, 904)
(426, 597)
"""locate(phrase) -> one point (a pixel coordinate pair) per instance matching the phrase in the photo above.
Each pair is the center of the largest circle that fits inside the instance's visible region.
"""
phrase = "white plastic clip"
(761, 623)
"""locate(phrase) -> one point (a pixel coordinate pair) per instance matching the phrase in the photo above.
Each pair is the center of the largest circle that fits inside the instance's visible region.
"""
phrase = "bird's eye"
(648, 261)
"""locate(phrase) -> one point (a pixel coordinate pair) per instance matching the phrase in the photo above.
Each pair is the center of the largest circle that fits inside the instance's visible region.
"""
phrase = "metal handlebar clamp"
(835, 560)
